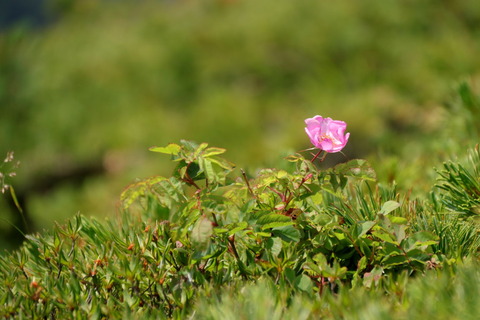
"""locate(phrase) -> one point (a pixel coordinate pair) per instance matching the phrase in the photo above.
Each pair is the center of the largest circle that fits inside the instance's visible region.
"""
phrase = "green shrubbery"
(211, 241)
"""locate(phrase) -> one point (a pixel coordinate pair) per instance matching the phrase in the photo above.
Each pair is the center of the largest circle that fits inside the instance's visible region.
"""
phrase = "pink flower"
(327, 134)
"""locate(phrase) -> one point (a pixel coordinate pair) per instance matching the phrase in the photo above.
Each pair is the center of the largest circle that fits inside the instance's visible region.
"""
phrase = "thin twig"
(248, 183)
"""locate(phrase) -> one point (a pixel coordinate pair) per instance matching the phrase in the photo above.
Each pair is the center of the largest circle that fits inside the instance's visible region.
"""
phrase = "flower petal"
(327, 134)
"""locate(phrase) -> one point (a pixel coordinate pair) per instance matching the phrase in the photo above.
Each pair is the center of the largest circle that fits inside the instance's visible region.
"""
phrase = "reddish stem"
(316, 156)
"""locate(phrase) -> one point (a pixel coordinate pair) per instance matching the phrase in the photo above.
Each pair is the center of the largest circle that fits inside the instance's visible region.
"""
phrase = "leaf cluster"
(311, 233)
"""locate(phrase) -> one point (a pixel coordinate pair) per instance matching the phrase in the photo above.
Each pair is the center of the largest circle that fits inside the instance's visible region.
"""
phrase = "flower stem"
(316, 156)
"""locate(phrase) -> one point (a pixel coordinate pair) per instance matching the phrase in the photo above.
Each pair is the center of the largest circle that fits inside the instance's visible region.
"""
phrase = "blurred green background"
(87, 86)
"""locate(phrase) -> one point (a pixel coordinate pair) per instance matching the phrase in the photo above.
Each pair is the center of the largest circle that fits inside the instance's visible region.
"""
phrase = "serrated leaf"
(287, 233)
(171, 148)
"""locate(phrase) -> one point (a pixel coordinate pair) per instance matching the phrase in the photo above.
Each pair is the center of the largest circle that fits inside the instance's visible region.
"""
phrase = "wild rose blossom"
(327, 134)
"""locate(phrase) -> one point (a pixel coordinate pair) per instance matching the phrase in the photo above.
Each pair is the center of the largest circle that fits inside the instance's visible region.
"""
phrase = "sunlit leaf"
(389, 206)
(172, 148)
(200, 149)
(213, 151)
(272, 220)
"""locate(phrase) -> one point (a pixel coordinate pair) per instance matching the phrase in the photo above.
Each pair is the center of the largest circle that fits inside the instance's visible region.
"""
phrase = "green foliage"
(290, 241)
(462, 185)
(437, 295)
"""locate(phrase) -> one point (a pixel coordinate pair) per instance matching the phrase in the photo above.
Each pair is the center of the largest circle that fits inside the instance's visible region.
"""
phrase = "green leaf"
(281, 174)
(388, 207)
(417, 254)
(383, 235)
(362, 228)
(391, 249)
(277, 224)
(263, 234)
(171, 148)
(207, 168)
(287, 233)
(399, 220)
(399, 232)
(194, 171)
(304, 283)
(275, 245)
(222, 163)
(316, 198)
(213, 151)
(220, 230)
(362, 264)
(395, 260)
(270, 218)
(200, 148)
(289, 275)
(240, 227)
(202, 231)
(372, 277)
(420, 240)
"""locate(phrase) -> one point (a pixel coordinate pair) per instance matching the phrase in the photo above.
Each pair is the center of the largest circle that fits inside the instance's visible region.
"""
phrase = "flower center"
(334, 141)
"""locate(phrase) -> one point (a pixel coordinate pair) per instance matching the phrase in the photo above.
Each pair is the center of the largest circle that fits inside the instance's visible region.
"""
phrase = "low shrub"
(212, 240)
